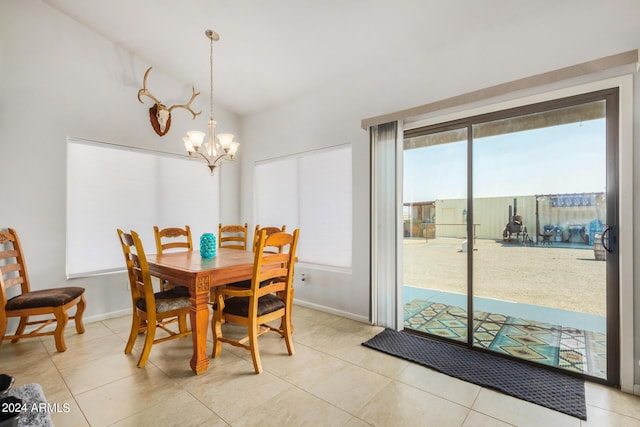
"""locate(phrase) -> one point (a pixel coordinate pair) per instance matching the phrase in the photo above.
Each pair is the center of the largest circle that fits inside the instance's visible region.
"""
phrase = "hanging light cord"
(211, 79)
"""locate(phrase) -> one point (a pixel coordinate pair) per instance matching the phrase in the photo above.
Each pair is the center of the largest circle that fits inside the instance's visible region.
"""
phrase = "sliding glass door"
(509, 242)
(435, 233)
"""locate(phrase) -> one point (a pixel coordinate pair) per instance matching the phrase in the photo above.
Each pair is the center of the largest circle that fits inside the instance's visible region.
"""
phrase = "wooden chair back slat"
(268, 230)
(233, 236)
(173, 238)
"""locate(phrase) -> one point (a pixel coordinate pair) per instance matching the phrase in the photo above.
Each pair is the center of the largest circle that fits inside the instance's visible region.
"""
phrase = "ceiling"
(274, 51)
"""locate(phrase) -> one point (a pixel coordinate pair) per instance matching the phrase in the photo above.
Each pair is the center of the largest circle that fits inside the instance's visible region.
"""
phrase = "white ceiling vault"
(273, 51)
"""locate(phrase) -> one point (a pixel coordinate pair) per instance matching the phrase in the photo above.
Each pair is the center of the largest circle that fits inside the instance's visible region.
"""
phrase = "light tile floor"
(332, 380)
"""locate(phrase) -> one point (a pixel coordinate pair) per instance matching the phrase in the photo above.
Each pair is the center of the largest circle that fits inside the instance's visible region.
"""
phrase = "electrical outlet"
(304, 277)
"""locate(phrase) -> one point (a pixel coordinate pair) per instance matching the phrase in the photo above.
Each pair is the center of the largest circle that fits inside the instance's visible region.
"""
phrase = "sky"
(552, 160)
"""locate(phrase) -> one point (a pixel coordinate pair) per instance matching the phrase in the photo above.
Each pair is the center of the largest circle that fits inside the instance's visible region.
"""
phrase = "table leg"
(199, 316)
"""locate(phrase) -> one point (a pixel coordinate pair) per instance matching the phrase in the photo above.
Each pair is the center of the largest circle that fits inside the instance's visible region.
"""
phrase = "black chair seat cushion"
(54, 297)
(168, 300)
(239, 306)
(246, 284)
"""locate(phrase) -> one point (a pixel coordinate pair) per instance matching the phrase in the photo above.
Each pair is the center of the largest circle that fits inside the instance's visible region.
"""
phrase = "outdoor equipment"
(515, 226)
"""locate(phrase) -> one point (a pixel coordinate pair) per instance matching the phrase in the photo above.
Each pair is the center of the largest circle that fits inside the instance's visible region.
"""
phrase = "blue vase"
(208, 245)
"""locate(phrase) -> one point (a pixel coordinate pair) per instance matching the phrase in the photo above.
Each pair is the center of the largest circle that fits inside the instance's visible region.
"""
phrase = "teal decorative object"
(208, 245)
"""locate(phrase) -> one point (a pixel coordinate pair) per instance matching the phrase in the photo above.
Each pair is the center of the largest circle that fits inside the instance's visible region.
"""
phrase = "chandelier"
(212, 152)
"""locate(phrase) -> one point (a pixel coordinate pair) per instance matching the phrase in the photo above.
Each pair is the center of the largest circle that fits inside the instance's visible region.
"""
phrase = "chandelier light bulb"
(233, 149)
(188, 145)
(226, 139)
(196, 137)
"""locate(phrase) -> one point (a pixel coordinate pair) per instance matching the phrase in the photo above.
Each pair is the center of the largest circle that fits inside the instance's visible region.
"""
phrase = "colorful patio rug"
(555, 345)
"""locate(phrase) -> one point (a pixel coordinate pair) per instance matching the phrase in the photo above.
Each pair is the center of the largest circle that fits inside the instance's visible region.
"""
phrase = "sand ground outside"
(549, 276)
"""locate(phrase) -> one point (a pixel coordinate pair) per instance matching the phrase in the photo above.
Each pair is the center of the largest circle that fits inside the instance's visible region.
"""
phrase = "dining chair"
(245, 284)
(257, 306)
(151, 310)
(268, 230)
(54, 302)
(170, 238)
(233, 236)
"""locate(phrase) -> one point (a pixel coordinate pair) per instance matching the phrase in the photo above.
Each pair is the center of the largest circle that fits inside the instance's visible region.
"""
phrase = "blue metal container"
(595, 226)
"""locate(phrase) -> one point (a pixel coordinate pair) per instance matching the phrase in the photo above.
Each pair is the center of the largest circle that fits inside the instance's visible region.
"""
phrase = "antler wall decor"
(159, 114)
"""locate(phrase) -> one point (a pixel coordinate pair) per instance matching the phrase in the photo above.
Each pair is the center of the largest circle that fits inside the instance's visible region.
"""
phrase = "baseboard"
(104, 316)
(333, 311)
(348, 315)
(127, 311)
(636, 389)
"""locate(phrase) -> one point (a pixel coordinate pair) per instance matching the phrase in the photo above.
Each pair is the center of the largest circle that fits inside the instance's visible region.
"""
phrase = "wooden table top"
(185, 268)
(192, 261)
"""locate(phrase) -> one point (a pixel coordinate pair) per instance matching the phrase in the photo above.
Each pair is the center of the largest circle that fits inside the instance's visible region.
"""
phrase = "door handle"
(605, 238)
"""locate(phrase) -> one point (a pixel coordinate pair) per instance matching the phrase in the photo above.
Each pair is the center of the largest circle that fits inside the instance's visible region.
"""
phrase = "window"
(311, 191)
(110, 187)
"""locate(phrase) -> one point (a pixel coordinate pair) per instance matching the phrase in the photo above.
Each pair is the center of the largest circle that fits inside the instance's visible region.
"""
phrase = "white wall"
(59, 79)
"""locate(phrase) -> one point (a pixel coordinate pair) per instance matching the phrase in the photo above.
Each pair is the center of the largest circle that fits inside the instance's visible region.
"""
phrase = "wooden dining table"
(200, 275)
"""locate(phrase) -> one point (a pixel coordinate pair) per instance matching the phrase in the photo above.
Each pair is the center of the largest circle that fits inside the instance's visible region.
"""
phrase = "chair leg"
(3, 327)
(282, 295)
(216, 326)
(79, 312)
(290, 317)
(288, 330)
(216, 329)
(255, 351)
(62, 318)
(182, 324)
(21, 327)
(148, 342)
(135, 330)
